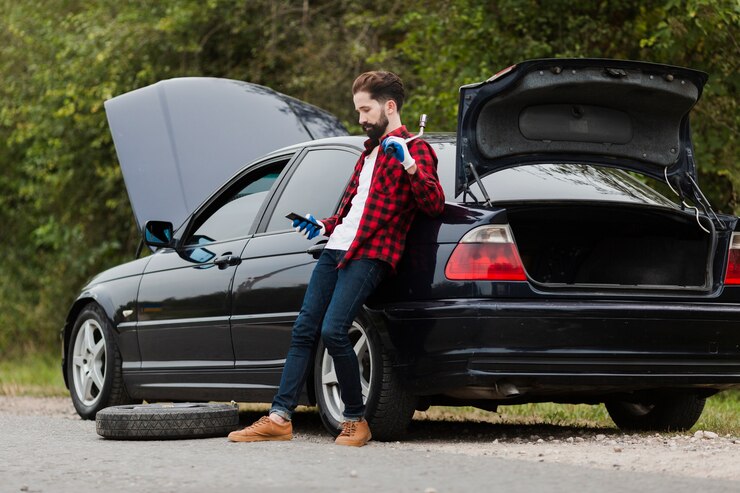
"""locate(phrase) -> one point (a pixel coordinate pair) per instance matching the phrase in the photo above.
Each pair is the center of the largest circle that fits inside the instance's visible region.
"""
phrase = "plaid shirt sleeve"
(394, 199)
(428, 194)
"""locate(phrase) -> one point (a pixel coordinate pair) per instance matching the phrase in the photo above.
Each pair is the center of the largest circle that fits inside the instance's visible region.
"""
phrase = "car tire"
(388, 406)
(94, 364)
(167, 421)
(669, 412)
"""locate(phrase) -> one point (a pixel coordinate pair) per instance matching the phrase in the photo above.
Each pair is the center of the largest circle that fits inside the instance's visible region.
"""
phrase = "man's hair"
(382, 86)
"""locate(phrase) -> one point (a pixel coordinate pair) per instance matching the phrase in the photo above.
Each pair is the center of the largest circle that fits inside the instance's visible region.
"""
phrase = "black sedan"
(555, 272)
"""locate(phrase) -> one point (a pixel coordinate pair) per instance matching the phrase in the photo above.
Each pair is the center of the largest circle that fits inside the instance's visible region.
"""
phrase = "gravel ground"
(702, 454)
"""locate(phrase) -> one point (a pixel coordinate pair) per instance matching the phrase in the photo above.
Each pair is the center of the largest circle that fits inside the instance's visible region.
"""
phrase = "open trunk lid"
(179, 139)
(625, 114)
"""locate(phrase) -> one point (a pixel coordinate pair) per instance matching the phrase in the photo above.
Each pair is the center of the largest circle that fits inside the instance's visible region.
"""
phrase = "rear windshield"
(555, 182)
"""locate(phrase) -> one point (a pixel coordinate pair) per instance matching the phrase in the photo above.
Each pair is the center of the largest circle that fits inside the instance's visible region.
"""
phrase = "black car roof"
(358, 142)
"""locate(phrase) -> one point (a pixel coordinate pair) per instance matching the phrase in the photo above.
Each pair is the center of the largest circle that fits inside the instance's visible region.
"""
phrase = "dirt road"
(46, 447)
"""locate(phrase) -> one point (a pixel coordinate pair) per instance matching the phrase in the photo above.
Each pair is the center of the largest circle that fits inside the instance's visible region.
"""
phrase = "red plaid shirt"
(392, 202)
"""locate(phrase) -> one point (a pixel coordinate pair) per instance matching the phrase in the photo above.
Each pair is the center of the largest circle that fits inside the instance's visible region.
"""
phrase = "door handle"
(315, 251)
(227, 260)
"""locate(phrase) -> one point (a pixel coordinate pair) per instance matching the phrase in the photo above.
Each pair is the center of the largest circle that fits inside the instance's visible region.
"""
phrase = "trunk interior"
(619, 247)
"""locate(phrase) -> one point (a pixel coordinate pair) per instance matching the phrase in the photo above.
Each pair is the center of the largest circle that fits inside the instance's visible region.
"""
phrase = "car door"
(271, 280)
(185, 294)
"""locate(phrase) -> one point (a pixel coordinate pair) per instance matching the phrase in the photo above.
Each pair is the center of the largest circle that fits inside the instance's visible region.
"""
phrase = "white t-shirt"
(343, 235)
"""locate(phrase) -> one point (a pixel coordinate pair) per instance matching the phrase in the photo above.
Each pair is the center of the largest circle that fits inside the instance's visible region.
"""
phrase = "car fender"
(117, 298)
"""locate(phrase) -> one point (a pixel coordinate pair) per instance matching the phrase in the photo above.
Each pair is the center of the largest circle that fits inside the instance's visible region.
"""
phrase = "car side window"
(232, 214)
(315, 187)
(446, 167)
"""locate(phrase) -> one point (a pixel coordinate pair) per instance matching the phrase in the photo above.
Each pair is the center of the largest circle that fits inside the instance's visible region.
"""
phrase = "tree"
(63, 204)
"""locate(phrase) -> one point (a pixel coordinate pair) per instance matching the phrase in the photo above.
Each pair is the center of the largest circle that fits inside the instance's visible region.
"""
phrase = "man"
(366, 241)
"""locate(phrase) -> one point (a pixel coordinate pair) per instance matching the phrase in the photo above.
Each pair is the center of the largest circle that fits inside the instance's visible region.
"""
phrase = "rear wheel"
(666, 412)
(94, 364)
(389, 407)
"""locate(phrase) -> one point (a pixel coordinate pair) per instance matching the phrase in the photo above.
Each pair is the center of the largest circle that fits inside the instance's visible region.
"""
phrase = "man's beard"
(376, 130)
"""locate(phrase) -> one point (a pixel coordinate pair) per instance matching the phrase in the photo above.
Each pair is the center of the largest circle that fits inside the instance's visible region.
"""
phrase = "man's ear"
(390, 106)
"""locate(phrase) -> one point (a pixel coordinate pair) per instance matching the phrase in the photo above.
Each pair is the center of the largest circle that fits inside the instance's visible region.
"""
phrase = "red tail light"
(487, 253)
(733, 262)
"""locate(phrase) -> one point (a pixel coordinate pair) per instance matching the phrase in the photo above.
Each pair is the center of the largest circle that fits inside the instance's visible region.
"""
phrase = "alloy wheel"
(330, 384)
(88, 362)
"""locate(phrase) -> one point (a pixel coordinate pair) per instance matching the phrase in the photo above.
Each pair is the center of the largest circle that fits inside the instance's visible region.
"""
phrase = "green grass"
(41, 376)
(721, 415)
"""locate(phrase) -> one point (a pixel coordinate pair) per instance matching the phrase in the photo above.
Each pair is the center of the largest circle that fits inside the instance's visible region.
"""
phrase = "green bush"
(63, 205)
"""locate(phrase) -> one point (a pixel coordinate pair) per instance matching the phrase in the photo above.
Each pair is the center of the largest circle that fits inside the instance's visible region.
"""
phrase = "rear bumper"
(546, 348)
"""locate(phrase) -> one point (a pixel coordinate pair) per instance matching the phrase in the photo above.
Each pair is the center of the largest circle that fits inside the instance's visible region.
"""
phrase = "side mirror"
(158, 234)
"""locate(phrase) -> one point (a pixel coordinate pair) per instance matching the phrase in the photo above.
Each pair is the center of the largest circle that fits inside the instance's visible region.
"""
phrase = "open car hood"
(625, 114)
(178, 140)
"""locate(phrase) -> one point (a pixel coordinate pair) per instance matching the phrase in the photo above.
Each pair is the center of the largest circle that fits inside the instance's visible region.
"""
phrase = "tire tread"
(143, 423)
(395, 406)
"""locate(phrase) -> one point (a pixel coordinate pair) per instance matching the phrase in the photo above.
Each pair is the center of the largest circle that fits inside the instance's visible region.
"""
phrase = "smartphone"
(292, 216)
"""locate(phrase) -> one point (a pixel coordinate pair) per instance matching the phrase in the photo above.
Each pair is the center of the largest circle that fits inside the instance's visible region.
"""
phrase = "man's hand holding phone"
(307, 225)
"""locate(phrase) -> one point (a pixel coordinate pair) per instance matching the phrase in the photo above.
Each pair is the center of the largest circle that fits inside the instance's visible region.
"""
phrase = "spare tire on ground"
(166, 421)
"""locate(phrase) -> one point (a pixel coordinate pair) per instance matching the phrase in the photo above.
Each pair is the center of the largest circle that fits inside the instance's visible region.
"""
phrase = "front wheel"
(388, 406)
(662, 412)
(94, 364)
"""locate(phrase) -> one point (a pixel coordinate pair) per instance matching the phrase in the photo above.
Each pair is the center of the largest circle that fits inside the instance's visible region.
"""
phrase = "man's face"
(372, 115)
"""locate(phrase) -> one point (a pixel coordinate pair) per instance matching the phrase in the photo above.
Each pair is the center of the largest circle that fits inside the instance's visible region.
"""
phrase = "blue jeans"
(333, 298)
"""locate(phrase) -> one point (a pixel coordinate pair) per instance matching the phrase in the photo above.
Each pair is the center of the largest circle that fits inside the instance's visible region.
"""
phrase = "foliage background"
(63, 207)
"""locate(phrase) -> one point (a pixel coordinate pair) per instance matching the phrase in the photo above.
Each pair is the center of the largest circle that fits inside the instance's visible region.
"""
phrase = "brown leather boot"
(354, 434)
(262, 430)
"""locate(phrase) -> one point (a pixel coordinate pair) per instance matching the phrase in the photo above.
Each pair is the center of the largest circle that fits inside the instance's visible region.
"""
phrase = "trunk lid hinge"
(695, 193)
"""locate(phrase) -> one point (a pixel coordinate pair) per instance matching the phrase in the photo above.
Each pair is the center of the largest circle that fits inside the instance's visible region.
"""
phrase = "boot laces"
(263, 420)
(348, 428)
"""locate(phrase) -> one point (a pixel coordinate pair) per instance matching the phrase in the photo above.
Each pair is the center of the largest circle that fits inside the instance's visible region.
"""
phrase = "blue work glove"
(400, 151)
(307, 229)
